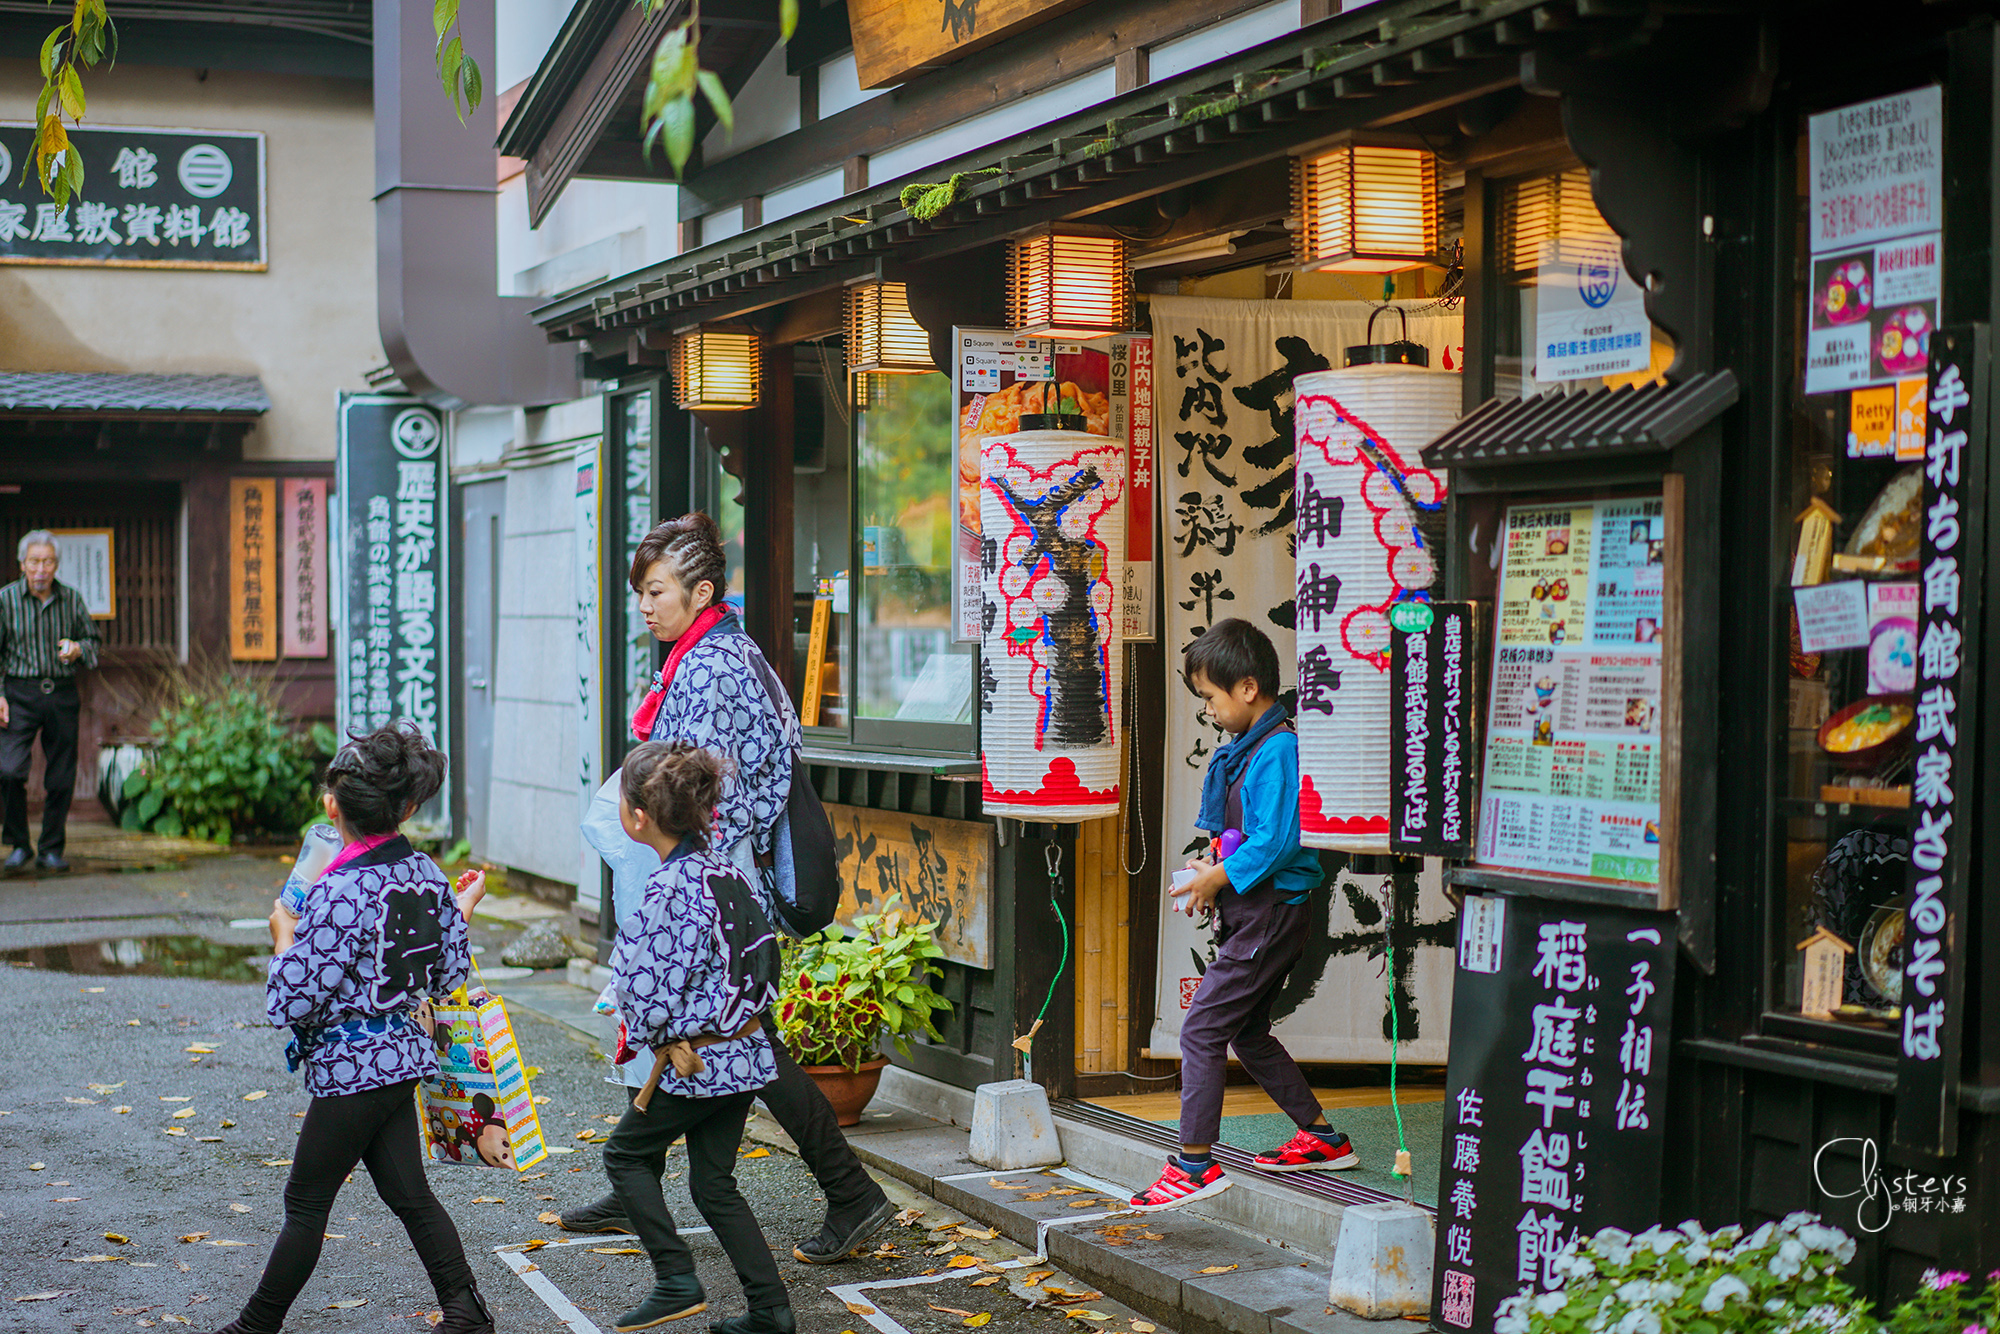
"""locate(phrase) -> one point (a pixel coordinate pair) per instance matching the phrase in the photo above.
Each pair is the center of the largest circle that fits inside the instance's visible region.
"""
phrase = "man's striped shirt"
(31, 628)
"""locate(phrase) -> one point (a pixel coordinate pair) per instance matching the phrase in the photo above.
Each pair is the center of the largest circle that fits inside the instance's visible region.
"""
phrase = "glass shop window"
(1569, 317)
(911, 680)
(1847, 613)
(822, 549)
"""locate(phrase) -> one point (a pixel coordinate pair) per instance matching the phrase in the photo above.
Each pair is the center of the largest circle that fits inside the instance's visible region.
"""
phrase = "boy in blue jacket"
(1258, 896)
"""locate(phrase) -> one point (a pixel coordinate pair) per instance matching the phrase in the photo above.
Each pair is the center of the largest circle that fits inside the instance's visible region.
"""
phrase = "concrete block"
(1145, 1260)
(1382, 1264)
(1250, 1301)
(917, 1157)
(1012, 1126)
(589, 974)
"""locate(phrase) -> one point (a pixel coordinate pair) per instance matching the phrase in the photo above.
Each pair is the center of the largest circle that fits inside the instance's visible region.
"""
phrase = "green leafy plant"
(458, 72)
(1947, 1303)
(844, 993)
(1783, 1278)
(226, 759)
(77, 45)
(668, 112)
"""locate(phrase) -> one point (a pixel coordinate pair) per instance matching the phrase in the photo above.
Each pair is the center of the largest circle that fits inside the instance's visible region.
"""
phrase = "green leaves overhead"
(75, 46)
(457, 72)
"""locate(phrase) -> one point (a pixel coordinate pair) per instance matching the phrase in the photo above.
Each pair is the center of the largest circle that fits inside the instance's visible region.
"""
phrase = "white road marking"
(974, 1176)
(849, 1294)
(552, 1296)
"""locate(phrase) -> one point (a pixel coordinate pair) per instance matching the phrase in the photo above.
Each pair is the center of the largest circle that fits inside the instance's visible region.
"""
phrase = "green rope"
(1054, 863)
(1395, 1028)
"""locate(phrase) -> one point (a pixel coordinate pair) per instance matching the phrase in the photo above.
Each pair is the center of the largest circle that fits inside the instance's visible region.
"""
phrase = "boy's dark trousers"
(635, 1157)
(1261, 937)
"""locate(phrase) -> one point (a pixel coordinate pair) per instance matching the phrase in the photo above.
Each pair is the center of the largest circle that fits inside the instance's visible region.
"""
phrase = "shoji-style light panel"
(881, 335)
(1068, 284)
(716, 371)
(1537, 213)
(1366, 208)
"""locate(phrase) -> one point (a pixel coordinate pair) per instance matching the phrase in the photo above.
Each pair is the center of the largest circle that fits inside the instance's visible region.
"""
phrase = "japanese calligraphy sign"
(1052, 514)
(254, 560)
(937, 870)
(1224, 421)
(1132, 422)
(1941, 786)
(395, 660)
(1556, 1095)
(304, 559)
(1571, 779)
(587, 499)
(90, 567)
(1434, 731)
(1368, 518)
(187, 199)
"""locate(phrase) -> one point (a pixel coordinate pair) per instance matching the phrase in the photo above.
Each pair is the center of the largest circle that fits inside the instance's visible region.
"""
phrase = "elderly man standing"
(45, 634)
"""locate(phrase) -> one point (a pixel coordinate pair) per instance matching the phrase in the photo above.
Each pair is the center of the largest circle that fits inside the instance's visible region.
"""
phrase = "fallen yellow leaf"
(909, 1216)
(66, 1199)
(1083, 1204)
(194, 1236)
(489, 1199)
(183, 1113)
(239, 1208)
(105, 1088)
(616, 1250)
(277, 1162)
(178, 1319)
(550, 1217)
(997, 1184)
(131, 1023)
(228, 1125)
(82, 1102)
(118, 1237)
(90, 1259)
(45, 1296)
(1086, 1315)
(255, 1094)
(975, 1321)
(176, 1130)
(1217, 1269)
(37, 1167)
(758, 1153)
(950, 1310)
(1032, 1279)
(1143, 1327)
(208, 1139)
(94, 991)
(334, 1236)
(347, 1305)
(178, 1097)
(856, 1308)
(228, 1243)
(200, 1049)
(981, 1233)
(122, 1111)
(534, 1245)
(986, 1282)
(945, 1249)
(961, 1262)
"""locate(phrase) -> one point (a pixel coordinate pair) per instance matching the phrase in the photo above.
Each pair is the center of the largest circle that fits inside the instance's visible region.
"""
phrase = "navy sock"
(1195, 1165)
(1320, 1130)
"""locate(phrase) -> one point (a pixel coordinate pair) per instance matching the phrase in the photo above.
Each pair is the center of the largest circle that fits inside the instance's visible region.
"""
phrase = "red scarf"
(649, 708)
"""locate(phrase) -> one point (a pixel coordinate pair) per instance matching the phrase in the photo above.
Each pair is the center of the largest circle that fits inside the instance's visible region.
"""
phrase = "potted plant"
(844, 993)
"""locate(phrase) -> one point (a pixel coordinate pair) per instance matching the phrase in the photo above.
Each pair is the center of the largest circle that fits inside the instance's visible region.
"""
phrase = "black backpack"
(804, 875)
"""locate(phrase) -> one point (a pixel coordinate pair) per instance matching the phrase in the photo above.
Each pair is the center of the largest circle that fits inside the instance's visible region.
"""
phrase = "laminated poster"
(1572, 772)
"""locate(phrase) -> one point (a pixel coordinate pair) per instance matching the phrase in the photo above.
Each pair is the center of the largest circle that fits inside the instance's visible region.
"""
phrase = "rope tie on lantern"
(925, 199)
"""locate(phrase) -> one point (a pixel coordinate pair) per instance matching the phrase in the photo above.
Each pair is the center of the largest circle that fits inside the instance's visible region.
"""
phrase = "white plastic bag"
(631, 863)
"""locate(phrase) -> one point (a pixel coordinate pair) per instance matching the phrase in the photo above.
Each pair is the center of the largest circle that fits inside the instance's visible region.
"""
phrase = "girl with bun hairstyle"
(696, 965)
(380, 934)
(717, 692)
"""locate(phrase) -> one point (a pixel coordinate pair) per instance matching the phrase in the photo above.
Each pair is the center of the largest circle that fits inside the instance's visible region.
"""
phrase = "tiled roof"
(1647, 420)
(110, 395)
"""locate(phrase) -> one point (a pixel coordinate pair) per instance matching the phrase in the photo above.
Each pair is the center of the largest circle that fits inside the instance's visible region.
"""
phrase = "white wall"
(766, 107)
(596, 230)
(522, 33)
(1250, 28)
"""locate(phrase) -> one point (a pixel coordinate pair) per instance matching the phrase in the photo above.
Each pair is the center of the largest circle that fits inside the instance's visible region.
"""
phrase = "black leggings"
(378, 1128)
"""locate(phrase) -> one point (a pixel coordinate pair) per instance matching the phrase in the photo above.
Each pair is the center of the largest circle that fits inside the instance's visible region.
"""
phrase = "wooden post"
(767, 515)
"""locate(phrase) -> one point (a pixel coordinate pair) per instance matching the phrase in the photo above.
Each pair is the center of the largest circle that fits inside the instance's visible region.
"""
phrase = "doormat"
(1373, 1132)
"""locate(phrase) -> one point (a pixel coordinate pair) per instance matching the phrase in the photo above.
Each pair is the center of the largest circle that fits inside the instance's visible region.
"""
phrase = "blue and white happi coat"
(698, 958)
(718, 700)
(378, 935)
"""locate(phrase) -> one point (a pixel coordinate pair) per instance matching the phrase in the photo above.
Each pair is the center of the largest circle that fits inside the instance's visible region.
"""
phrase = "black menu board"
(1555, 1111)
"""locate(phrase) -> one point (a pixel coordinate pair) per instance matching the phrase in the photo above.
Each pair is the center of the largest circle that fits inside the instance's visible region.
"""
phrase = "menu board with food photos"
(1571, 780)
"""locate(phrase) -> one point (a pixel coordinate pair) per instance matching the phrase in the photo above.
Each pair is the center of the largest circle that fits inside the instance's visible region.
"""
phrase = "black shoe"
(17, 861)
(236, 1326)
(50, 861)
(673, 1298)
(605, 1215)
(770, 1320)
(465, 1313)
(838, 1240)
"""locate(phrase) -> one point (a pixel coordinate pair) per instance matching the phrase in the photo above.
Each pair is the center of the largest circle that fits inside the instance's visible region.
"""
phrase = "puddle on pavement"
(147, 956)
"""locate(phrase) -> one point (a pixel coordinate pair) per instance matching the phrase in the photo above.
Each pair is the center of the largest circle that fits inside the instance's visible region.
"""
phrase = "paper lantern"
(716, 371)
(1068, 285)
(1369, 515)
(1366, 208)
(1544, 214)
(1051, 509)
(881, 335)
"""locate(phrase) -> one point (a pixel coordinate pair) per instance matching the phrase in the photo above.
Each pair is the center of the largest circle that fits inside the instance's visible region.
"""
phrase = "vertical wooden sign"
(254, 630)
(304, 558)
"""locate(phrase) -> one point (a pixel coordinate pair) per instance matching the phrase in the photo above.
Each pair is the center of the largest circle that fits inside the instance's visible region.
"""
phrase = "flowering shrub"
(1947, 1304)
(1781, 1279)
(844, 992)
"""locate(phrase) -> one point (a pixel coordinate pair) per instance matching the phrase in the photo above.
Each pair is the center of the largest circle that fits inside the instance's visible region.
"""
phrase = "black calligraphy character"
(412, 940)
(1265, 394)
(861, 849)
(1198, 353)
(1077, 689)
(1319, 595)
(988, 682)
(961, 17)
(1211, 446)
(989, 555)
(988, 613)
(1204, 398)
(1403, 924)
(932, 901)
(1318, 679)
(1205, 586)
(1208, 524)
(888, 880)
(1319, 514)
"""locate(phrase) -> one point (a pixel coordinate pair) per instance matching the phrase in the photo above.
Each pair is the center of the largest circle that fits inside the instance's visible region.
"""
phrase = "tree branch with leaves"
(87, 38)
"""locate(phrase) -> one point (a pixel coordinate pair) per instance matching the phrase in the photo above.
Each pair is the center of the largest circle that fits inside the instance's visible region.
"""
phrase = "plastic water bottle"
(321, 844)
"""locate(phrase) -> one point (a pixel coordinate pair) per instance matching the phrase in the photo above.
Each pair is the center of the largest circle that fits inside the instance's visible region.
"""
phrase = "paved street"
(110, 1124)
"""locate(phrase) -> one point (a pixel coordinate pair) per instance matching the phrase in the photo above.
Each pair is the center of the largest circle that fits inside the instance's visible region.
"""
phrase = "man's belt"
(45, 684)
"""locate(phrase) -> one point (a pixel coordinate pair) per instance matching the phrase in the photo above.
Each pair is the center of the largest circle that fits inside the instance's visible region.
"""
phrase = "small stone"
(542, 945)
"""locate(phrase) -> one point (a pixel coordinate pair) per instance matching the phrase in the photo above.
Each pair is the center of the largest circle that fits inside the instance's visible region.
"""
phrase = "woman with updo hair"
(696, 966)
(716, 691)
(380, 934)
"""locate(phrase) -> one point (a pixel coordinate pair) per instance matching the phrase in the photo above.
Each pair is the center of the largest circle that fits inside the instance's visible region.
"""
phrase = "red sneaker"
(1175, 1188)
(1307, 1152)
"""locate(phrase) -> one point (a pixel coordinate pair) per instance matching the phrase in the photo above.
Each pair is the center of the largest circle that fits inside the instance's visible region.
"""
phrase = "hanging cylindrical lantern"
(716, 371)
(1369, 518)
(1366, 208)
(881, 335)
(1066, 284)
(1051, 509)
